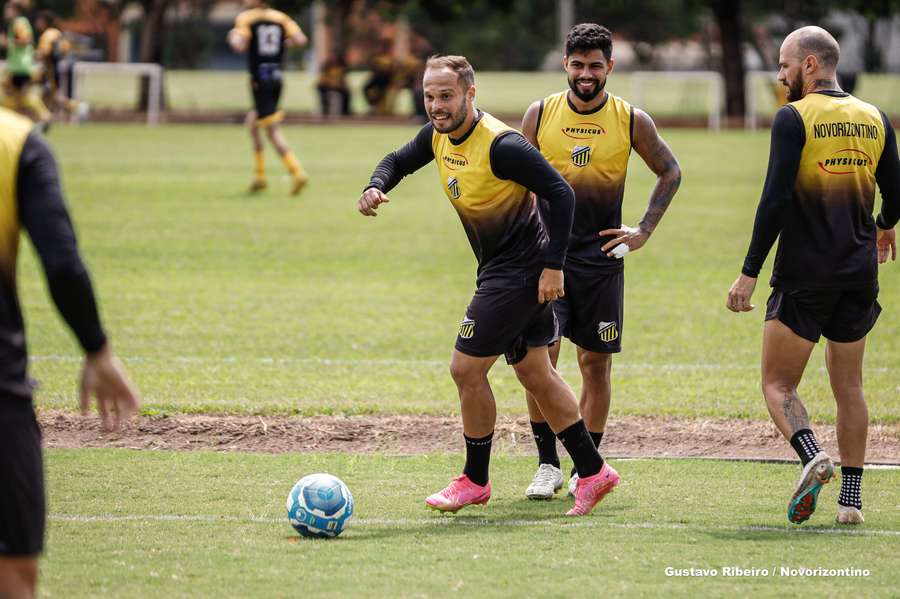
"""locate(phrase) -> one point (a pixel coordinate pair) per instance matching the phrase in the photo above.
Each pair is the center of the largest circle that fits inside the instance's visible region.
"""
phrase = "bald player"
(828, 152)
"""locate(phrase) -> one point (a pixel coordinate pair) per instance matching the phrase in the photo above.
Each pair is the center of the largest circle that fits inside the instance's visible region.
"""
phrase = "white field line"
(624, 365)
(479, 523)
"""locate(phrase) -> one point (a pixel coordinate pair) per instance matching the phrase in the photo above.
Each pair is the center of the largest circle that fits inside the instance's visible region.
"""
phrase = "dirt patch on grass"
(404, 435)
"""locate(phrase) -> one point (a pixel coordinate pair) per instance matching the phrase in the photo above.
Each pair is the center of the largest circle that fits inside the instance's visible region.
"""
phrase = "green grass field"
(500, 92)
(222, 302)
(218, 528)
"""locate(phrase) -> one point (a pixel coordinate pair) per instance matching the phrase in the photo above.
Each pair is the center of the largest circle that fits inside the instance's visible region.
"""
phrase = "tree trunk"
(152, 47)
(728, 18)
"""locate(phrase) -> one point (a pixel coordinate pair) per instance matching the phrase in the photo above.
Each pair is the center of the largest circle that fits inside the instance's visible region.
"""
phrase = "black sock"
(478, 459)
(546, 443)
(805, 444)
(581, 447)
(851, 487)
(597, 437)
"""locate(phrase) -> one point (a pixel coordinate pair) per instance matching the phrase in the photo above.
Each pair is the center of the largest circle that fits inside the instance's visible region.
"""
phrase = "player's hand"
(370, 200)
(237, 41)
(633, 238)
(103, 377)
(551, 286)
(886, 239)
(740, 293)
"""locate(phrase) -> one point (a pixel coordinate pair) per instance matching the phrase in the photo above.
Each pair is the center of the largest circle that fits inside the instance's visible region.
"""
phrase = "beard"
(454, 122)
(795, 89)
(588, 95)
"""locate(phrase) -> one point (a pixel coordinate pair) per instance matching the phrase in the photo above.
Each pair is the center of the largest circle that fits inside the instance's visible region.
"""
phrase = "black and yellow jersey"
(829, 150)
(266, 30)
(53, 46)
(30, 197)
(591, 151)
(486, 176)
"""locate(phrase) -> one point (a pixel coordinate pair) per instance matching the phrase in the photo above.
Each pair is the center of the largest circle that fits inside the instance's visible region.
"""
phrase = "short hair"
(458, 64)
(819, 43)
(589, 36)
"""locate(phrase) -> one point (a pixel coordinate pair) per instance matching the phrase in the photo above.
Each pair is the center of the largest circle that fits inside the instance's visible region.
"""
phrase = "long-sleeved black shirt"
(523, 245)
(826, 225)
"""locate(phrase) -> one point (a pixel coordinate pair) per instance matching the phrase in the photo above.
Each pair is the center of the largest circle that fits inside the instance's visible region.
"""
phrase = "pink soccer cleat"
(592, 489)
(458, 494)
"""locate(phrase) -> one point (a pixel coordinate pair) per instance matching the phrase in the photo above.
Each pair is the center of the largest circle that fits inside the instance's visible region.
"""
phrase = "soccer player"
(587, 134)
(263, 33)
(486, 170)
(828, 151)
(52, 51)
(20, 69)
(31, 198)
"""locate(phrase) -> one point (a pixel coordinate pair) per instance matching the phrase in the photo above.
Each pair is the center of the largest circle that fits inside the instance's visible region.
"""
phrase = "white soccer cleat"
(547, 481)
(849, 515)
(573, 484)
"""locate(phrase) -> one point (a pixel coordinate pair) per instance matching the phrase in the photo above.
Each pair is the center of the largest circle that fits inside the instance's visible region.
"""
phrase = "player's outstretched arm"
(238, 40)
(659, 158)
(393, 167)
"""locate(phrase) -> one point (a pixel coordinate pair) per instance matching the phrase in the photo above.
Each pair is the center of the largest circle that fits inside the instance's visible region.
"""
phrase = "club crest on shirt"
(453, 187)
(467, 328)
(607, 331)
(581, 155)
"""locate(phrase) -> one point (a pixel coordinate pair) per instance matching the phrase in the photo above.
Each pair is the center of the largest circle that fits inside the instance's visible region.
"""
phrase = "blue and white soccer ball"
(320, 505)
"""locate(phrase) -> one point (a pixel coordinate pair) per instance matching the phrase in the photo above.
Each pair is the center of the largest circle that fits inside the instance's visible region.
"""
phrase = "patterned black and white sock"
(805, 444)
(851, 487)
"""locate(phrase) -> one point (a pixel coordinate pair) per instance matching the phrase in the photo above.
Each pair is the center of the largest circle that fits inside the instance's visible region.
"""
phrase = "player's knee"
(778, 388)
(534, 379)
(465, 374)
(595, 366)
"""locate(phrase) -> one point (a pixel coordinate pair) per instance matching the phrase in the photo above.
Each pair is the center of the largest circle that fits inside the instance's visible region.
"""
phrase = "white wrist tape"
(620, 250)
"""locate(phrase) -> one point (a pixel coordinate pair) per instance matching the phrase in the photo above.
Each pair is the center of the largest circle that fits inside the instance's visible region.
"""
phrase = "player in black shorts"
(31, 198)
(264, 33)
(486, 170)
(587, 134)
(829, 150)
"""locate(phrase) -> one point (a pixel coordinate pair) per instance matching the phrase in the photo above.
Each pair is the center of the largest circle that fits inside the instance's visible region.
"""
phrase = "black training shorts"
(21, 480)
(590, 313)
(266, 86)
(502, 321)
(843, 316)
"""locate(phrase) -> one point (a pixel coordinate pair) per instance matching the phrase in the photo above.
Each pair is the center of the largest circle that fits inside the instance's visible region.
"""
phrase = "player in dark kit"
(264, 33)
(828, 152)
(30, 197)
(587, 134)
(486, 171)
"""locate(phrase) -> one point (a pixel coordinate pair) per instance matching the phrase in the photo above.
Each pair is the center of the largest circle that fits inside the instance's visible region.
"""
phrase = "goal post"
(714, 96)
(151, 70)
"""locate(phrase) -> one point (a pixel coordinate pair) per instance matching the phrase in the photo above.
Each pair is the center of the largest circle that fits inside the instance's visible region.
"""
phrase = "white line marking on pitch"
(480, 522)
(396, 362)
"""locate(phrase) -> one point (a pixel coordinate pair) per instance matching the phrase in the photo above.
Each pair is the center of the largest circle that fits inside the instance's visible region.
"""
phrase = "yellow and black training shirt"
(266, 30)
(828, 152)
(486, 175)
(591, 150)
(31, 197)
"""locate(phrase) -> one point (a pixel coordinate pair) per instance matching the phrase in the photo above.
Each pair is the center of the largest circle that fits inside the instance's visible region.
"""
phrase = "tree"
(731, 36)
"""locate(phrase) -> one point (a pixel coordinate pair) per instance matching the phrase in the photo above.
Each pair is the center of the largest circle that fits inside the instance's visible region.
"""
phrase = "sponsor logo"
(454, 161)
(845, 162)
(467, 328)
(583, 131)
(453, 187)
(607, 331)
(581, 155)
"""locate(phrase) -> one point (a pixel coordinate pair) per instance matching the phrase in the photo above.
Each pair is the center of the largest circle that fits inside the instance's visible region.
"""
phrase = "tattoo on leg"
(795, 413)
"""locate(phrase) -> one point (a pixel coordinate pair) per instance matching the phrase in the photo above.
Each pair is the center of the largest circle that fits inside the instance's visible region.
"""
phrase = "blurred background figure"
(852, 31)
(54, 57)
(378, 89)
(334, 95)
(18, 91)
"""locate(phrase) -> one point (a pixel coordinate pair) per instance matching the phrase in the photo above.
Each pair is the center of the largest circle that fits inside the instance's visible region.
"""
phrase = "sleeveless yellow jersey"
(591, 151)
(499, 216)
(14, 129)
(828, 236)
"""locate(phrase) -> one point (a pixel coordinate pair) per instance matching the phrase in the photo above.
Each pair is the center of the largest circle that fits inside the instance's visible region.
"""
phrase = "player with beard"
(828, 152)
(486, 171)
(587, 134)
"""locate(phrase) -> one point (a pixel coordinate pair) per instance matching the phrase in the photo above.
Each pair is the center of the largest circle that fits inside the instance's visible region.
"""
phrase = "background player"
(20, 67)
(486, 170)
(587, 134)
(30, 197)
(53, 50)
(263, 33)
(828, 151)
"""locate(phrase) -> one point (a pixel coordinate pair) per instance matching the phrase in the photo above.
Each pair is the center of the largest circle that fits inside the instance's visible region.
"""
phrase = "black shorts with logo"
(590, 313)
(22, 505)
(506, 321)
(841, 315)
(266, 86)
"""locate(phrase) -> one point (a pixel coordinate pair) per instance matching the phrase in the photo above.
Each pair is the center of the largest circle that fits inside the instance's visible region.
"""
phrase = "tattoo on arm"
(795, 413)
(660, 160)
